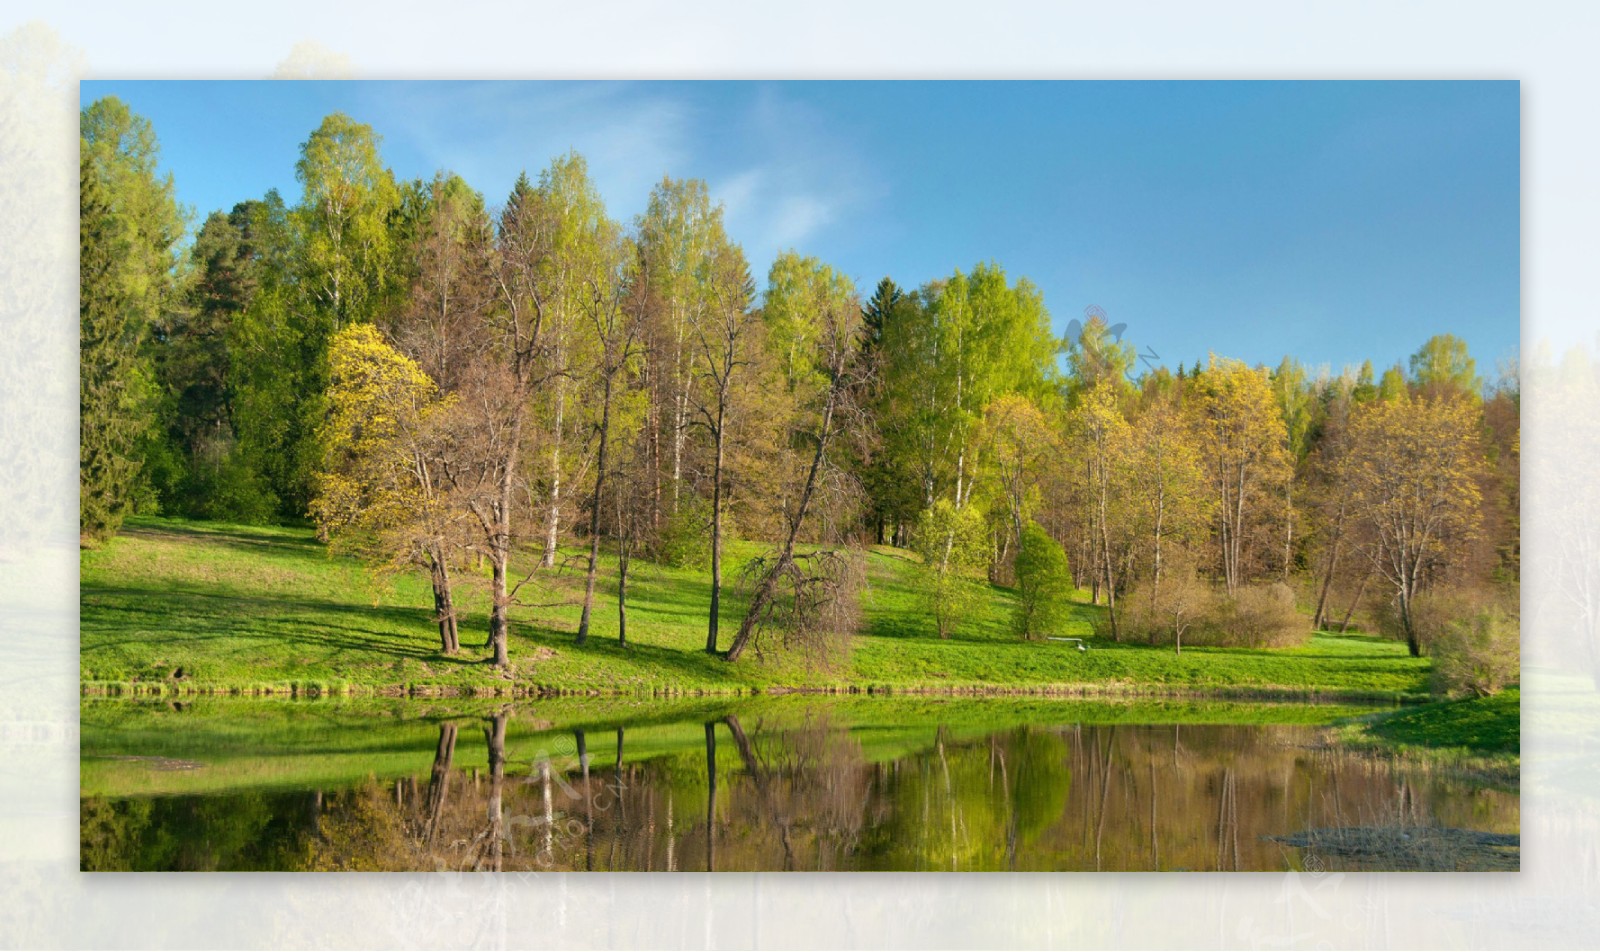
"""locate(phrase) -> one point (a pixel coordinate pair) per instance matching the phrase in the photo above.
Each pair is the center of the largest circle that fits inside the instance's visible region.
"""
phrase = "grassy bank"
(176, 607)
(1479, 736)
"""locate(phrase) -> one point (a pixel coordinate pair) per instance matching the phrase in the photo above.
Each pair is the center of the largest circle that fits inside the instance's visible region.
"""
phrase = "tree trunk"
(499, 621)
(1111, 581)
(680, 420)
(1413, 642)
(588, 802)
(624, 554)
(553, 527)
(439, 781)
(500, 540)
(763, 594)
(1319, 618)
(1361, 590)
(1161, 515)
(495, 735)
(444, 609)
(716, 535)
(594, 515)
(1288, 526)
(711, 796)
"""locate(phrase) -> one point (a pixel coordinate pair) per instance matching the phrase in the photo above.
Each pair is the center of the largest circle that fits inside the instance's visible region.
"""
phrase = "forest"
(457, 387)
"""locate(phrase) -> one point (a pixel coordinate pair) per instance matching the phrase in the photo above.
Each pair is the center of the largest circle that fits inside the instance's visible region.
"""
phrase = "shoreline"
(1116, 690)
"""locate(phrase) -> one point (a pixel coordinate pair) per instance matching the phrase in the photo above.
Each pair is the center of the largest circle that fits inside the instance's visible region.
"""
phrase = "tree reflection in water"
(803, 794)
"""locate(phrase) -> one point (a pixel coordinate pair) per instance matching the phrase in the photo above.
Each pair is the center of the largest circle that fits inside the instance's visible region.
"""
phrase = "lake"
(769, 783)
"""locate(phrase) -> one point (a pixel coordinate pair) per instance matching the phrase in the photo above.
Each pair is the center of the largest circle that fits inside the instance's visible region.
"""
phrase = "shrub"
(685, 541)
(1190, 612)
(1473, 637)
(1169, 616)
(239, 494)
(1261, 616)
(1044, 586)
(953, 544)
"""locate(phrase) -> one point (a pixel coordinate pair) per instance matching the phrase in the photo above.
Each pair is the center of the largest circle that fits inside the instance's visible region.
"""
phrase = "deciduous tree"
(382, 490)
(1239, 432)
(1412, 472)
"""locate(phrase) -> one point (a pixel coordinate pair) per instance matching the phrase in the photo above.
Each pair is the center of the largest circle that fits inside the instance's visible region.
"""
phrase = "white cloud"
(782, 170)
(799, 178)
(630, 134)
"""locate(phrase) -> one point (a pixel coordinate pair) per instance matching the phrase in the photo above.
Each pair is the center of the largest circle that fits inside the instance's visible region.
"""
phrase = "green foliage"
(346, 250)
(947, 353)
(192, 458)
(277, 370)
(129, 226)
(1044, 585)
(109, 337)
(685, 539)
(953, 544)
(1392, 387)
(1095, 358)
(1294, 395)
(1482, 724)
(1473, 637)
(1442, 365)
(799, 291)
(121, 150)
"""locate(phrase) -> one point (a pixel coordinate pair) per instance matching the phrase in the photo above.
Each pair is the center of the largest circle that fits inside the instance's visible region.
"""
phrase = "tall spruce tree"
(108, 357)
(129, 290)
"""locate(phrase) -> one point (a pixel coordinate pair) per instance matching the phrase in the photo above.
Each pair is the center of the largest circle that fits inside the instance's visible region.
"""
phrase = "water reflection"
(808, 793)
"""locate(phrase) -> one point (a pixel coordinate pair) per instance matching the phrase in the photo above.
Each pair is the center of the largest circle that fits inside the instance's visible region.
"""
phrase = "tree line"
(437, 382)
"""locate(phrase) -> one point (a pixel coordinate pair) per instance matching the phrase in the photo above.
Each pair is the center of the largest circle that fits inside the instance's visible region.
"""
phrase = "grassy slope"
(202, 605)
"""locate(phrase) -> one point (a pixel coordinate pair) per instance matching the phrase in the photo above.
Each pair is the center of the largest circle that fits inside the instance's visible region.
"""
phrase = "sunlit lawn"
(193, 604)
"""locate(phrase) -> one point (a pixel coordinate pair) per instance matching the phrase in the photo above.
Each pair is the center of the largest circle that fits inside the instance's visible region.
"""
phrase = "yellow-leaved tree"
(1241, 438)
(1412, 471)
(1100, 439)
(382, 490)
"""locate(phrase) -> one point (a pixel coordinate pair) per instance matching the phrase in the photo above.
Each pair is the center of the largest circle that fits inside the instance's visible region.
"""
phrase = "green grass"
(178, 607)
(1480, 738)
(1485, 725)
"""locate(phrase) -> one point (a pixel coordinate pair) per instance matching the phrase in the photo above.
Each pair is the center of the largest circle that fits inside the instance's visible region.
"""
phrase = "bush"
(1261, 616)
(240, 494)
(1258, 616)
(1169, 617)
(685, 541)
(953, 544)
(1044, 586)
(1473, 637)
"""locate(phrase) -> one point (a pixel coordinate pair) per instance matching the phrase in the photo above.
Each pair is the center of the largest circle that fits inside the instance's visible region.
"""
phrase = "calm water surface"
(781, 784)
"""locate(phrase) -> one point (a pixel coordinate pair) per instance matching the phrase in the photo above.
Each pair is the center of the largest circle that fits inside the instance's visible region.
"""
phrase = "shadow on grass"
(244, 539)
(158, 614)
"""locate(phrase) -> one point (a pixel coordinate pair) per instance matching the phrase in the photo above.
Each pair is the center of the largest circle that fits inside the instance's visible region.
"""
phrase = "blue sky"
(1335, 221)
